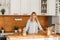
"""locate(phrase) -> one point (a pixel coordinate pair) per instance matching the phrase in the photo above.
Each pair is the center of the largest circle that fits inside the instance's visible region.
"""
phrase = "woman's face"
(33, 16)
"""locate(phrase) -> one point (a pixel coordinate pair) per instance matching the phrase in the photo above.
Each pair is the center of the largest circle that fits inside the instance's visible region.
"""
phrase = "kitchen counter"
(32, 37)
(27, 36)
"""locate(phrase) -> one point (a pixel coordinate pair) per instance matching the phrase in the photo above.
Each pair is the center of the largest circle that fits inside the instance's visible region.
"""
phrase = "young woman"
(33, 24)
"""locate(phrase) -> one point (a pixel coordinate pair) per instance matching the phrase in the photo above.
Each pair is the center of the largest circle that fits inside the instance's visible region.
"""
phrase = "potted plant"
(16, 28)
(2, 11)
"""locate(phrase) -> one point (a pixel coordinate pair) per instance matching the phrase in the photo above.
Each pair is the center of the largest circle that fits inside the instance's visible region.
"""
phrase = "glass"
(43, 6)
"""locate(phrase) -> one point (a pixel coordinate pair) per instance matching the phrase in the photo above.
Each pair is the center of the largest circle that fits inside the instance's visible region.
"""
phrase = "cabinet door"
(15, 7)
(5, 4)
(29, 6)
(51, 7)
(57, 28)
(36, 6)
(58, 7)
(55, 20)
(25, 7)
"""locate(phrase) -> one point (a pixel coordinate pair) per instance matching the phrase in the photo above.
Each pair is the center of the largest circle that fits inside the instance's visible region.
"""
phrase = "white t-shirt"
(32, 27)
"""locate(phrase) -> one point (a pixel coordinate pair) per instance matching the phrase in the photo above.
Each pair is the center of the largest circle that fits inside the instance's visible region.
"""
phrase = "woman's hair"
(32, 15)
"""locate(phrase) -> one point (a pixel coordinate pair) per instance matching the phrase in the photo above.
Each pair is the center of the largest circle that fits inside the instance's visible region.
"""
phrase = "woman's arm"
(27, 26)
(39, 25)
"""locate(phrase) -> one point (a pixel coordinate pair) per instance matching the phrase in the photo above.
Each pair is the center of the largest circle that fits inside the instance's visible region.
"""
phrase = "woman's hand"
(43, 31)
(24, 32)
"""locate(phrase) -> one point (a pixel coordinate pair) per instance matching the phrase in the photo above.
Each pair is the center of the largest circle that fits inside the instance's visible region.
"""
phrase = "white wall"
(26, 7)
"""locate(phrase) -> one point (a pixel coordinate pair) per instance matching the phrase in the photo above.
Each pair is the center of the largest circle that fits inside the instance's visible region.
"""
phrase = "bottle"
(24, 32)
(43, 2)
(2, 30)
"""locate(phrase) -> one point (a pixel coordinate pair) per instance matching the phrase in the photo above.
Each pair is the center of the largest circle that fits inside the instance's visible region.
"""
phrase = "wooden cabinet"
(57, 28)
(58, 7)
(48, 7)
(15, 7)
(43, 6)
(51, 7)
(5, 4)
(26, 7)
(56, 21)
(36, 6)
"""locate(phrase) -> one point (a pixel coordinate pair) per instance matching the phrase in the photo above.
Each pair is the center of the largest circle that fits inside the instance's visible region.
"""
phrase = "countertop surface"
(32, 36)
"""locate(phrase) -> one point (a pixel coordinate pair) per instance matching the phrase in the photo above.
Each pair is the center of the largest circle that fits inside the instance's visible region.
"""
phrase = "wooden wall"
(8, 22)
